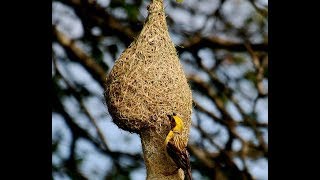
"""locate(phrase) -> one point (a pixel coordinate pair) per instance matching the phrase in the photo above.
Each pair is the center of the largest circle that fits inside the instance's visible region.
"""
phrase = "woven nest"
(146, 84)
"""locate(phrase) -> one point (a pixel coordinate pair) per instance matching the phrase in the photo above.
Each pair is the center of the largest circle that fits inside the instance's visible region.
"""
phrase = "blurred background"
(223, 46)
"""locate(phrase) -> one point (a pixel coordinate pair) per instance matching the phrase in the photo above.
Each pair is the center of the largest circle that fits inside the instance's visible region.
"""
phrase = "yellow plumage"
(176, 130)
(179, 124)
(175, 149)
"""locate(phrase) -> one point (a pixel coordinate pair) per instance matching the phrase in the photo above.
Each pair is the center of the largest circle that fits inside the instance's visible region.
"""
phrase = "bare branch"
(78, 55)
(197, 42)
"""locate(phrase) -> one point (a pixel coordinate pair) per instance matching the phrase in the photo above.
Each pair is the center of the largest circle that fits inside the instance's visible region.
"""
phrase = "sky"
(96, 164)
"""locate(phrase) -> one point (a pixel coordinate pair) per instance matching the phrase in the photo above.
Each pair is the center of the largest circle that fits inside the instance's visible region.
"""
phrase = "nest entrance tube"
(146, 84)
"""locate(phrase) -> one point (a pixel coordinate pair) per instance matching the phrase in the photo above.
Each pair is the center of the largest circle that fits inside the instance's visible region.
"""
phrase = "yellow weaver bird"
(176, 149)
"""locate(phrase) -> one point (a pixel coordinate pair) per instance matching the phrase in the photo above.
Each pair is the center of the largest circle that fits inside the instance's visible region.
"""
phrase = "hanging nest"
(146, 84)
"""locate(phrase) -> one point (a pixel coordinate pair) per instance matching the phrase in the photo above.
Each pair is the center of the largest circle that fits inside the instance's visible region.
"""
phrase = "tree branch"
(197, 42)
(76, 54)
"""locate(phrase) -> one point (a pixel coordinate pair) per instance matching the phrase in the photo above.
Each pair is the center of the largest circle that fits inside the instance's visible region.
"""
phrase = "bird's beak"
(171, 119)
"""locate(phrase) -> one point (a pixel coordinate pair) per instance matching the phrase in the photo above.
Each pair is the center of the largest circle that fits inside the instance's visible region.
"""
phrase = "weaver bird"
(176, 149)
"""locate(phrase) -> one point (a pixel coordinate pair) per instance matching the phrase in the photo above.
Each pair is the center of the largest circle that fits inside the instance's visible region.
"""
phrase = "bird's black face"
(172, 121)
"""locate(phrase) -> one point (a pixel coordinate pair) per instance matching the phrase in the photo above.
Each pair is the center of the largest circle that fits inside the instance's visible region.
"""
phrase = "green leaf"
(179, 1)
(132, 12)
(251, 76)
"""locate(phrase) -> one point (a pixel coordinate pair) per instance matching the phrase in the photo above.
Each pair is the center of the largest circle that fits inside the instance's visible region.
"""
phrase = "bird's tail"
(187, 174)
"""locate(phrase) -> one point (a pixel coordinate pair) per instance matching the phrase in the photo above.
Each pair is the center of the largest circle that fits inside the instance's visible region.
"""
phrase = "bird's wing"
(180, 157)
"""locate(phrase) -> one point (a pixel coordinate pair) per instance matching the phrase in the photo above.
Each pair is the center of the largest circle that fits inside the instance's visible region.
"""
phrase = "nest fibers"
(146, 84)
